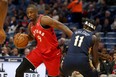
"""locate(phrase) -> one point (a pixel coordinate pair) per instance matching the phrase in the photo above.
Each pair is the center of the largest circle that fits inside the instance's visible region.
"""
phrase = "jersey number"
(78, 40)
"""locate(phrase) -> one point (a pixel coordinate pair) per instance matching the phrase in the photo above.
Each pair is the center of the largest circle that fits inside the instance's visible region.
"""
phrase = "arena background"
(102, 11)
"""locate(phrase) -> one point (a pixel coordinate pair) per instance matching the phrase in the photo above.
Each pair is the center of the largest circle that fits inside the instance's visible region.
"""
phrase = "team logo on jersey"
(39, 34)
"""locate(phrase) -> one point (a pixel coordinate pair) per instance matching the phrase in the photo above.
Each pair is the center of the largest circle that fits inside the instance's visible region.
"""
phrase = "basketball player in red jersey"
(47, 50)
(3, 12)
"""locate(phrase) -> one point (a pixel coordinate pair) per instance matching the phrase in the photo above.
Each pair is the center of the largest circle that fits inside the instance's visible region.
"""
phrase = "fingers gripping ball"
(21, 40)
(2, 36)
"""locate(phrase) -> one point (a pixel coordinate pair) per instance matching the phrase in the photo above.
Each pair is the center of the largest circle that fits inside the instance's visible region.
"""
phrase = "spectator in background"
(106, 26)
(10, 43)
(55, 15)
(98, 25)
(4, 52)
(24, 22)
(112, 51)
(102, 7)
(106, 15)
(21, 13)
(47, 9)
(13, 26)
(15, 13)
(9, 50)
(23, 4)
(91, 11)
(113, 25)
(75, 8)
(26, 51)
(11, 7)
(41, 6)
(7, 22)
(113, 64)
(15, 52)
(105, 65)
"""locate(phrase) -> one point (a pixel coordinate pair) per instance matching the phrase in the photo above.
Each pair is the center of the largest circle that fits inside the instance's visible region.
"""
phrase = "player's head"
(88, 24)
(32, 12)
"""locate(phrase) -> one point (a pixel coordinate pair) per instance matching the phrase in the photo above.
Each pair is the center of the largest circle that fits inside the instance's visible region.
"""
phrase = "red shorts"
(52, 64)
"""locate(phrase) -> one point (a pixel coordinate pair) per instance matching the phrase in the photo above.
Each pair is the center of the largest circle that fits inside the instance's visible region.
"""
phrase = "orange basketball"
(20, 40)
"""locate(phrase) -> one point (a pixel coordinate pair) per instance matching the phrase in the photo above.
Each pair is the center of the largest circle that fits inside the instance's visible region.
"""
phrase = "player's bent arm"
(102, 56)
(46, 20)
(95, 51)
(30, 36)
(3, 11)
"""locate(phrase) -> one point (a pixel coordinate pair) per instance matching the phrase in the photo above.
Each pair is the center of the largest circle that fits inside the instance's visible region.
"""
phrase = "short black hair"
(32, 6)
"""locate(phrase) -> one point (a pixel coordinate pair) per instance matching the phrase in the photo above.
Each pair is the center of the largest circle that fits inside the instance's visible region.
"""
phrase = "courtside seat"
(109, 39)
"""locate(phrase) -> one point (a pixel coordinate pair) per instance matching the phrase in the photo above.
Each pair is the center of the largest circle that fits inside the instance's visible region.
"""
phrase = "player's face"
(31, 13)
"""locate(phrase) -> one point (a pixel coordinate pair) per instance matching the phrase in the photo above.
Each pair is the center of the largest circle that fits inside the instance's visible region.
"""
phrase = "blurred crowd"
(69, 12)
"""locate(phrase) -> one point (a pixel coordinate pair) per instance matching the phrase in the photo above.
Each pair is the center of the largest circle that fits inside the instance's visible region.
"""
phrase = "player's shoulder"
(95, 38)
(46, 20)
(45, 17)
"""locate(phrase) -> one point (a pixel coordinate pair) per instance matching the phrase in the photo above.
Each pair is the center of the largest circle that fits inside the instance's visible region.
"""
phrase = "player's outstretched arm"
(3, 11)
(46, 20)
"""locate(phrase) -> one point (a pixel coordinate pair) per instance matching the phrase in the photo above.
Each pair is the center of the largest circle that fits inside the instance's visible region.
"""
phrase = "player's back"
(80, 42)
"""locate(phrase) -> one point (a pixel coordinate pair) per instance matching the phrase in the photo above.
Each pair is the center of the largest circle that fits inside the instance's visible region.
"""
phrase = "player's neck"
(35, 21)
(87, 30)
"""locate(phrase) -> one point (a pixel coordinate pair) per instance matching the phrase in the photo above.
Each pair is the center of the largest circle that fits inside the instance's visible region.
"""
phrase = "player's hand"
(105, 57)
(109, 57)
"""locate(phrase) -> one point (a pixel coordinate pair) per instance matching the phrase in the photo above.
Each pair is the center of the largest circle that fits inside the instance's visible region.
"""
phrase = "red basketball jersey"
(47, 43)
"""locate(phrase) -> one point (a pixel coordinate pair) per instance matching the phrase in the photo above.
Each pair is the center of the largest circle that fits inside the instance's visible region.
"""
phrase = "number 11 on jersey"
(78, 40)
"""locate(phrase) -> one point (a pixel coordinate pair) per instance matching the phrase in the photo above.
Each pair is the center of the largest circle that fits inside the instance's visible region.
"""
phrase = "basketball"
(20, 40)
